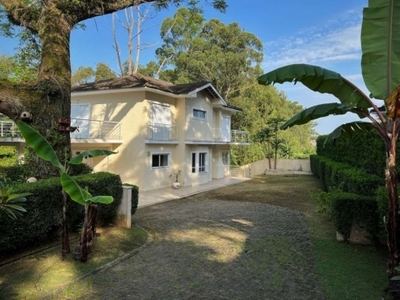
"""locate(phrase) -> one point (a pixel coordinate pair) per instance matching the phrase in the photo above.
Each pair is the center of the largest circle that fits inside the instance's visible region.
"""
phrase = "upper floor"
(146, 110)
(155, 111)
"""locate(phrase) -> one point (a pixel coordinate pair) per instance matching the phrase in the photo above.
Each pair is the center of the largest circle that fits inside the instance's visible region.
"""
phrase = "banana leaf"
(101, 199)
(380, 44)
(39, 144)
(72, 188)
(77, 159)
(320, 80)
(318, 111)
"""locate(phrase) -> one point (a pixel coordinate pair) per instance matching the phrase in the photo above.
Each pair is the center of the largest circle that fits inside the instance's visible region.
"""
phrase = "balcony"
(233, 137)
(87, 129)
(162, 133)
(95, 129)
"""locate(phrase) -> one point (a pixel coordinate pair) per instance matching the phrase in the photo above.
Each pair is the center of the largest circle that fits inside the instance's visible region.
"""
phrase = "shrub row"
(336, 175)
(365, 151)
(42, 220)
(349, 208)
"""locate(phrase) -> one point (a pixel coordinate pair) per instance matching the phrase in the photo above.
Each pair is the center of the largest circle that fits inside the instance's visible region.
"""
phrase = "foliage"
(175, 175)
(41, 222)
(336, 175)
(44, 150)
(87, 74)
(348, 151)
(211, 51)
(380, 60)
(323, 201)
(103, 71)
(348, 209)
(10, 202)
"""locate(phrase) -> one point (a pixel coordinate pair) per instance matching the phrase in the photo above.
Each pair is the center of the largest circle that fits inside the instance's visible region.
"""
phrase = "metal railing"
(9, 129)
(240, 137)
(231, 136)
(162, 132)
(95, 129)
(88, 129)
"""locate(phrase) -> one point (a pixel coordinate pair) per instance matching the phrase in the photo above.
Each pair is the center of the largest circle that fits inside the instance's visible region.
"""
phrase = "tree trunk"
(88, 233)
(393, 218)
(65, 248)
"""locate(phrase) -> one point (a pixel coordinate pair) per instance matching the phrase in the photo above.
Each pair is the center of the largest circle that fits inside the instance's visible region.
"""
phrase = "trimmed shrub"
(349, 208)
(365, 151)
(42, 220)
(336, 175)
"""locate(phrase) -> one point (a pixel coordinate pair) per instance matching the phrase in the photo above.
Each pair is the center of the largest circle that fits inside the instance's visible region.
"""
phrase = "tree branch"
(11, 98)
(21, 14)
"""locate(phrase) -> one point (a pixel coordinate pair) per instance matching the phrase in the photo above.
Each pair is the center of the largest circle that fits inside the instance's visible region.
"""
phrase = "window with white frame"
(160, 160)
(199, 162)
(199, 114)
(225, 157)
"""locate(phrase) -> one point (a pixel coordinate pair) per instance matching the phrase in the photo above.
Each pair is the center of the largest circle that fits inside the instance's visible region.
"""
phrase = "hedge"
(365, 151)
(336, 175)
(42, 220)
(349, 208)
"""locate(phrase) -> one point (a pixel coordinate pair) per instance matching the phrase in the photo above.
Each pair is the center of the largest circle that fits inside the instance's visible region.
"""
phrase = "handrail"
(162, 132)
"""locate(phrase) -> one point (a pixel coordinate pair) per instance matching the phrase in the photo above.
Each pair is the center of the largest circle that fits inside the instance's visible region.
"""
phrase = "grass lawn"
(39, 274)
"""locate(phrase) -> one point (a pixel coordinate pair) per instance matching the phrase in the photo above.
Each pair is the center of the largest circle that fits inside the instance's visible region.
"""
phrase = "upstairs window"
(160, 160)
(199, 114)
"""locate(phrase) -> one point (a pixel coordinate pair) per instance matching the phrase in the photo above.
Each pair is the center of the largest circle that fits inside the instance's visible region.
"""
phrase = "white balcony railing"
(162, 132)
(95, 129)
(87, 129)
(8, 129)
(231, 136)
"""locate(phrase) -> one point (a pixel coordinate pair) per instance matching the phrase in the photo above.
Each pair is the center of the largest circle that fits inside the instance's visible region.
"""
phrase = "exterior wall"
(133, 161)
(197, 129)
(219, 170)
(127, 108)
(301, 166)
(155, 178)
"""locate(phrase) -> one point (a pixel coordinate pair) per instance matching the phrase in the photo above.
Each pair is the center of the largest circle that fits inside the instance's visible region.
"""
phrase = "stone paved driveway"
(210, 249)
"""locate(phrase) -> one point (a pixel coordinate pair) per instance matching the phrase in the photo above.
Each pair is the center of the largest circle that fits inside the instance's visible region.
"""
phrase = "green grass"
(37, 275)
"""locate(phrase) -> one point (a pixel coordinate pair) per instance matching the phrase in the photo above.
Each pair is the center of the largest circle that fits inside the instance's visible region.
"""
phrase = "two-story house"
(157, 128)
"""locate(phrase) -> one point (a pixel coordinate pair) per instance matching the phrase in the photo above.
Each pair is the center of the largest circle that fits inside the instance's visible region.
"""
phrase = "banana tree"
(380, 41)
(10, 203)
(45, 151)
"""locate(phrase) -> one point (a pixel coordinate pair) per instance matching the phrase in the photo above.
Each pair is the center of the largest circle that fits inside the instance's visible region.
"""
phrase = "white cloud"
(338, 40)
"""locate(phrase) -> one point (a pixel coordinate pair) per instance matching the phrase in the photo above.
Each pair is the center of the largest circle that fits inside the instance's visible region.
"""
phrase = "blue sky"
(324, 33)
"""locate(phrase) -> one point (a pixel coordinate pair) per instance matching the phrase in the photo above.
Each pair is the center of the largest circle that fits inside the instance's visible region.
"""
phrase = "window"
(193, 162)
(225, 157)
(199, 114)
(160, 160)
(199, 162)
(202, 162)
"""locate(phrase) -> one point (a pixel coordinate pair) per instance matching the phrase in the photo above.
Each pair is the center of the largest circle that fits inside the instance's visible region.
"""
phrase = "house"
(157, 128)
